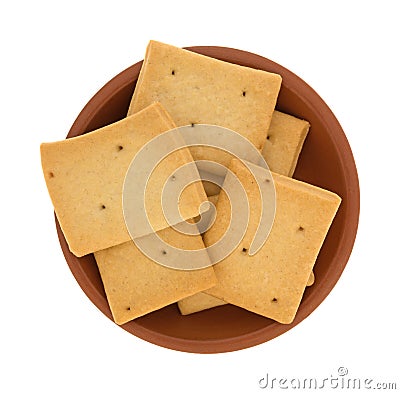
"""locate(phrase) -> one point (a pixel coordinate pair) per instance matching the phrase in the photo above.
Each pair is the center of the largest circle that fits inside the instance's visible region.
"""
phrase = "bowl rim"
(336, 133)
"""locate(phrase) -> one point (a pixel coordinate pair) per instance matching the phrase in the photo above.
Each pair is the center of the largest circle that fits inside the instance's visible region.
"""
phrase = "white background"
(55, 56)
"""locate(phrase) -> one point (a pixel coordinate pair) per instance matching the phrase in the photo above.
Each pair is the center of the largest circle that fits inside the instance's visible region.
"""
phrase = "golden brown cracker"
(85, 177)
(280, 270)
(198, 302)
(197, 89)
(284, 141)
(136, 285)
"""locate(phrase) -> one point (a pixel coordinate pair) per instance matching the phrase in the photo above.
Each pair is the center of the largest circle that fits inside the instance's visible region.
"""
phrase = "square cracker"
(197, 89)
(136, 285)
(284, 141)
(85, 177)
(280, 270)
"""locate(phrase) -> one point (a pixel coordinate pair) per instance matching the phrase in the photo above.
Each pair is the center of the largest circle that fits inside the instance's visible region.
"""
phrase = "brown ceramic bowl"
(326, 161)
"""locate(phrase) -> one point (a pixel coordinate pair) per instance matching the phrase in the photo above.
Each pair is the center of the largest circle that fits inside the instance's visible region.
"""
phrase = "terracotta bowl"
(326, 161)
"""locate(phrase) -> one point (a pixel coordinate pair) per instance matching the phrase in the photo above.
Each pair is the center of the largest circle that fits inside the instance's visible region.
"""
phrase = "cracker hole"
(164, 252)
(120, 147)
(173, 72)
(102, 206)
(267, 180)
(128, 308)
(274, 300)
(173, 178)
(267, 137)
(192, 124)
(301, 228)
(244, 93)
(51, 174)
(244, 250)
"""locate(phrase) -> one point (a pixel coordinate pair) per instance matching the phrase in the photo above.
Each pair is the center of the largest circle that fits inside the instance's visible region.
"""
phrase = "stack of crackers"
(85, 178)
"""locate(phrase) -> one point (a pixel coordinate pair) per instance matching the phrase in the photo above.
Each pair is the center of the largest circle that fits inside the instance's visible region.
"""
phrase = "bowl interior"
(325, 161)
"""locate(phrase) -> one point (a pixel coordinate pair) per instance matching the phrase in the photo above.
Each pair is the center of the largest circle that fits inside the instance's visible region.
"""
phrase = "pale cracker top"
(136, 285)
(272, 281)
(85, 177)
(200, 89)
